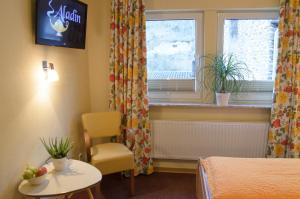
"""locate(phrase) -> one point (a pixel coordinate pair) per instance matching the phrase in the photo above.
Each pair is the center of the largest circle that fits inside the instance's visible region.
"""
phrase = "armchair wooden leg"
(132, 183)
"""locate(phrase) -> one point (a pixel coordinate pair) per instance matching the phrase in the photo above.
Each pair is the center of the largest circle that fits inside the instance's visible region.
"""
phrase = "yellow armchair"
(108, 157)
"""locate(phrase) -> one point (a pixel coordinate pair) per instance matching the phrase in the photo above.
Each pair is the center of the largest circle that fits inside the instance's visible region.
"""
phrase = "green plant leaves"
(57, 148)
(224, 74)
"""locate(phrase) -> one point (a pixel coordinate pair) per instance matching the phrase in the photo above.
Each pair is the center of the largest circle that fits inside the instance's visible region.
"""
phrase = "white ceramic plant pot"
(222, 99)
(60, 164)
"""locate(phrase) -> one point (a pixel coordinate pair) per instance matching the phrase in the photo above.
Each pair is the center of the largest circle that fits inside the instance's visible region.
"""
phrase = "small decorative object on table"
(58, 149)
(35, 176)
(78, 177)
(224, 74)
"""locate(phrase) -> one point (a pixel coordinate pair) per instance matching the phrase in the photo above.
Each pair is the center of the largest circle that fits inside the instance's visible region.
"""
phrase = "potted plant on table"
(58, 149)
(223, 75)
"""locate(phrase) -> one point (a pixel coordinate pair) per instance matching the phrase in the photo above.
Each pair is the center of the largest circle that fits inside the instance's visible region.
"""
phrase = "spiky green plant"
(57, 148)
(224, 73)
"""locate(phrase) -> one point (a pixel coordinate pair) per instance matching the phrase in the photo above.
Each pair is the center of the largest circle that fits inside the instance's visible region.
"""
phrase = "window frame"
(257, 92)
(179, 95)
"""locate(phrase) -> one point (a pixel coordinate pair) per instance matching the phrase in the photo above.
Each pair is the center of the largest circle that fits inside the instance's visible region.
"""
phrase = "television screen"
(61, 23)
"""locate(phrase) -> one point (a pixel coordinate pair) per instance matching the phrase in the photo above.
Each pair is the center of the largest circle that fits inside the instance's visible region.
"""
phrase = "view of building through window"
(253, 42)
(171, 49)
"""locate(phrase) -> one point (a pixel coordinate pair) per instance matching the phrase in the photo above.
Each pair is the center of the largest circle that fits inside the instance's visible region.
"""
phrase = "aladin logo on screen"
(59, 19)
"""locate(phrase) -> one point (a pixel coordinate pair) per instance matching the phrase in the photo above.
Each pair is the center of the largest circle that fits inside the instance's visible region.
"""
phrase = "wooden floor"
(155, 186)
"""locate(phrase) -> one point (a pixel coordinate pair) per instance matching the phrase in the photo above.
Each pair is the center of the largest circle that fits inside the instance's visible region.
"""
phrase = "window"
(173, 43)
(253, 39)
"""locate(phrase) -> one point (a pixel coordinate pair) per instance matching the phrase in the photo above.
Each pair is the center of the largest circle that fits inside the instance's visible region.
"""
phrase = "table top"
(78, 176)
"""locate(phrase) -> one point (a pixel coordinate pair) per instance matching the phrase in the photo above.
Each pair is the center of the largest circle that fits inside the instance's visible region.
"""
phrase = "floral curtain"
(128, 78)
(284, 133)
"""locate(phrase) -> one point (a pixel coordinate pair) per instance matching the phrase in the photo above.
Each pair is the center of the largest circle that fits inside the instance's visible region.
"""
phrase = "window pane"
(171, 49)
(254, 42)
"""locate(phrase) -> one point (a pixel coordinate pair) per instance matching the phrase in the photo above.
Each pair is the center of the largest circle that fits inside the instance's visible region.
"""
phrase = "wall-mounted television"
(61, 23)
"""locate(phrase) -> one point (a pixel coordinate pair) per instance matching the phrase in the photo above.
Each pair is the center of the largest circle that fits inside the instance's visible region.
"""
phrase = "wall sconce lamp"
(49, 72)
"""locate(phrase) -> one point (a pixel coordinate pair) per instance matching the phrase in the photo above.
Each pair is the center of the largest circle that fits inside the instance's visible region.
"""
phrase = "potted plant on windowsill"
(58, 149)
(223, 75)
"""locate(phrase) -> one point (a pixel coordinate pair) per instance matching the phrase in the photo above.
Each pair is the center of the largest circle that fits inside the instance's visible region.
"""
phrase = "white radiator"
(193, 139)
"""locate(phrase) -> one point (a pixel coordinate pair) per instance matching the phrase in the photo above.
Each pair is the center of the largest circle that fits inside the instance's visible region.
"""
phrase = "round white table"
(77, 177)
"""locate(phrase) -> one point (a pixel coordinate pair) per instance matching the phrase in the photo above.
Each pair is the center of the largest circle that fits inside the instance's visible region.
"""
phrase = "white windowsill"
(193, 104)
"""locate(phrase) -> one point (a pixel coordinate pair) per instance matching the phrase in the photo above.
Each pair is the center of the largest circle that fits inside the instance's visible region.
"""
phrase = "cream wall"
(29, 109)
(210, 114)
(209, 4)
(99, 42)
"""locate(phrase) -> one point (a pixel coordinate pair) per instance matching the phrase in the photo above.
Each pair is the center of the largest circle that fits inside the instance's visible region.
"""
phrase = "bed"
(248, 178)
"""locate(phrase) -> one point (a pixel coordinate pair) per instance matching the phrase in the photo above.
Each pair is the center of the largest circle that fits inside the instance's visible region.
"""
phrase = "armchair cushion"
(111, 158)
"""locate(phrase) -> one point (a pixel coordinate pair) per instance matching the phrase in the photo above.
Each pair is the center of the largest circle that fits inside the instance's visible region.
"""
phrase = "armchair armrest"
(87, 144)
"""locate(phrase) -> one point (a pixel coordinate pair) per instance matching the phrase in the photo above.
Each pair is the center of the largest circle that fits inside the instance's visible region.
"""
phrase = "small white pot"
(222, 99)
(60, 164)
